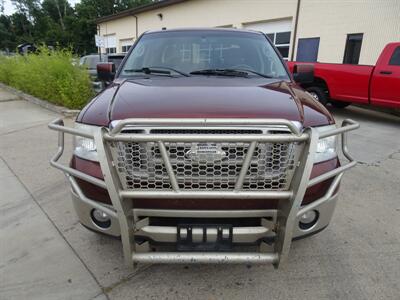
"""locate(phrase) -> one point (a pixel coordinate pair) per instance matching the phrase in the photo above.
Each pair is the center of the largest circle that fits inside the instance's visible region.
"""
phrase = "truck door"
(385, 83)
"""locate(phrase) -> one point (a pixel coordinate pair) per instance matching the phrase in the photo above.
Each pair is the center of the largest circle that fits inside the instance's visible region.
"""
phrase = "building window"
(395, 59)
(110, 43)
(111, 50)
(353, 48)
(282, 42)
(307, 49)
(125, 48)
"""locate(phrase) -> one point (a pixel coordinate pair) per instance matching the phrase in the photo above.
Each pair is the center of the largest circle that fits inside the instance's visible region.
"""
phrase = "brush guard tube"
(123, 200)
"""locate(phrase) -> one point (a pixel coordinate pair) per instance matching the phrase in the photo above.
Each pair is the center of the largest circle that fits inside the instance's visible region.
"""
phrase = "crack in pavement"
(108, 289)
(25, 128)
(10, 100)
(378, 163)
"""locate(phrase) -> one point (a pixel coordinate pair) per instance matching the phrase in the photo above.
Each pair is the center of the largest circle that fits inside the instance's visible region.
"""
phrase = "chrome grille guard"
(123, 198)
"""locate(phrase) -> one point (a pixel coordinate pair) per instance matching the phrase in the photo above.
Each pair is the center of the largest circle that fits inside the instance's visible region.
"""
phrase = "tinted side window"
(395, 59)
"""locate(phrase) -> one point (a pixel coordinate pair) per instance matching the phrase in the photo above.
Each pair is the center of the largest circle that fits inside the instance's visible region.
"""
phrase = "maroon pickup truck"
(203, 149)
(343, 85)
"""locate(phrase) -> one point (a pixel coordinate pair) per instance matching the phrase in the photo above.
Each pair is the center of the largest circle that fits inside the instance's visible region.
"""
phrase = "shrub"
(49, 75)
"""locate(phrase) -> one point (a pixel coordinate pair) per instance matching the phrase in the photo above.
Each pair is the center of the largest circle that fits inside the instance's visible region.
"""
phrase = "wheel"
(318, 94)
(340, 104)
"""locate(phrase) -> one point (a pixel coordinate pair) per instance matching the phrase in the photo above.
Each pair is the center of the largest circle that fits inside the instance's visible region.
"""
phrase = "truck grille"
(204, 166)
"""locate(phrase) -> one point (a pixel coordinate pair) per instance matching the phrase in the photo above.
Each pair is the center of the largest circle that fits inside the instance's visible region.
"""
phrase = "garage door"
(279, 33)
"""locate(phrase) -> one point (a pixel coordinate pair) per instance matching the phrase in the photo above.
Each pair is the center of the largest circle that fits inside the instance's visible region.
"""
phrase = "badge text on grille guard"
(205, 152)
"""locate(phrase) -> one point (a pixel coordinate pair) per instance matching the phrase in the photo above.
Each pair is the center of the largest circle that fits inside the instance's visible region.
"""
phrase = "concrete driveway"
(46, 254)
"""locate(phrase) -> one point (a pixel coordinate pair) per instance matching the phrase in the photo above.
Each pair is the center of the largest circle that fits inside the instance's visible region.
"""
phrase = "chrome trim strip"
(120, 124)
(204, 137)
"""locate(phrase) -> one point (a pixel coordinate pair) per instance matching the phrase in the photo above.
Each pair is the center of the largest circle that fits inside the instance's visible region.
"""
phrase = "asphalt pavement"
(46, 254)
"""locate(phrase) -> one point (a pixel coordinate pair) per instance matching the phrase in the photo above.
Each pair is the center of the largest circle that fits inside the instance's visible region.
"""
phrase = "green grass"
(49, 75)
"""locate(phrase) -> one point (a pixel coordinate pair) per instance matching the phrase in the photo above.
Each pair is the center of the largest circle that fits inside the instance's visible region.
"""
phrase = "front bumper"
(278, 226)
(168, 234)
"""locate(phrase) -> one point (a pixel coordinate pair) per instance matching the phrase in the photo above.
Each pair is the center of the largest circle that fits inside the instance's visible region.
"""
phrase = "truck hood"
(204, 97)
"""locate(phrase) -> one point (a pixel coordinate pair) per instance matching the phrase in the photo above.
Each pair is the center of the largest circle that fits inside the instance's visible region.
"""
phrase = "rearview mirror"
(106, 72)
(303, 73)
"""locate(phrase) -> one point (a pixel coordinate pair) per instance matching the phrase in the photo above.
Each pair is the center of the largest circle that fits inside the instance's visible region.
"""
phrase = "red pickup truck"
(342, 85)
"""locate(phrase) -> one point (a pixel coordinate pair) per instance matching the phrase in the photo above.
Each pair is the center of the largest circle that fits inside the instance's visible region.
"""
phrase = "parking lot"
(46, 254)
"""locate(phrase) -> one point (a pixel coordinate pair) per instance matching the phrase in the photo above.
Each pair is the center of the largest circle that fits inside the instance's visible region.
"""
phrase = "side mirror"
(303, 73)
(105, 71)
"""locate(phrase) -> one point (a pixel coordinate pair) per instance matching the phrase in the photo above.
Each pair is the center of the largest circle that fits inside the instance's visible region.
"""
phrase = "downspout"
(99, 48)
(295, 30)
(137, 31)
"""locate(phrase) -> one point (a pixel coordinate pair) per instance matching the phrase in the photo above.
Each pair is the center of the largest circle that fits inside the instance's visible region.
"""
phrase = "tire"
(339, 104)
(318, 94)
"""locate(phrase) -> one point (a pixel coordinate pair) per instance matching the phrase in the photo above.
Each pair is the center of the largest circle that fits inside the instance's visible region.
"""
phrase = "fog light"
(100, 218)
(308, 219)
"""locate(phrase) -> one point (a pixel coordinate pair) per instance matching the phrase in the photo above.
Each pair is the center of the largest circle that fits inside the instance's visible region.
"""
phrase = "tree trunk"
(60, 15)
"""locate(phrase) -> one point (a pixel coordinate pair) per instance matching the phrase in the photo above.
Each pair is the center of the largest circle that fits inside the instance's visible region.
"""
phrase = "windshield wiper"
(220, 72)
(228, 72)
(156, 70)
(251, 71)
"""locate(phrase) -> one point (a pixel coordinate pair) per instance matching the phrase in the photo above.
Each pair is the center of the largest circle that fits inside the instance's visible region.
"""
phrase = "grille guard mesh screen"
(140, 166)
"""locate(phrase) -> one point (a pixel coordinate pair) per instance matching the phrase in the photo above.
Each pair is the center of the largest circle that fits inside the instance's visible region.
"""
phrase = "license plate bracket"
(204, 237)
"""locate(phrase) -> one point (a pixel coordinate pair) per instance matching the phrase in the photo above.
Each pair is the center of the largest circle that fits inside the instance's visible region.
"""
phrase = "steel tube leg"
(287, 212)
(124, 208)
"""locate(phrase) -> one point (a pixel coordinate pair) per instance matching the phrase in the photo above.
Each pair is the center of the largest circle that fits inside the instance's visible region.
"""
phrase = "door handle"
(386, 72)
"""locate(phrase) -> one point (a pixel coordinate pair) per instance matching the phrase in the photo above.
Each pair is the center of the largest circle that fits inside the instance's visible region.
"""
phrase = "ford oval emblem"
(205, 152)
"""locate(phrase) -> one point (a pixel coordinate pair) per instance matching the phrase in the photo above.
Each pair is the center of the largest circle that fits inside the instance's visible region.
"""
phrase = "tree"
(28, 8)
(57, 10)
(7, 38)
(56, 23)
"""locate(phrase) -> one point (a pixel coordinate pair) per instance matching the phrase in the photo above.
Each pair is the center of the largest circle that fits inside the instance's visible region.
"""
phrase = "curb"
(47, 105)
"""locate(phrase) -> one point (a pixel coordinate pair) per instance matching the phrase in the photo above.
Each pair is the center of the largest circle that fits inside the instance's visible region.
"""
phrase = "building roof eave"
(138, 10)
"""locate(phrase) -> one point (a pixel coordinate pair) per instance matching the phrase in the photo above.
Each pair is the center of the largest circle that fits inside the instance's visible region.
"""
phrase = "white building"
(335, 31)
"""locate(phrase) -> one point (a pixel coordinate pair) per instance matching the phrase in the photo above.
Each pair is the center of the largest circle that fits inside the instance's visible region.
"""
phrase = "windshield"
(191, 51)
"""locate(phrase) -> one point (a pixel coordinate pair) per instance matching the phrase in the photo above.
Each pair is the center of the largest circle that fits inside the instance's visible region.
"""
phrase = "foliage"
(49, 75)
(55, 22)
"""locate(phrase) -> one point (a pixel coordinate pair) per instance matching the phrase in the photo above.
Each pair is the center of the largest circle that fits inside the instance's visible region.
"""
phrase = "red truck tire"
(339, 104)
(318, 94)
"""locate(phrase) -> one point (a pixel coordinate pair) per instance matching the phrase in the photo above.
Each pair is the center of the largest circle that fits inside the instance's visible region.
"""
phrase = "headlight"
(326, 148)
(83, 147)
